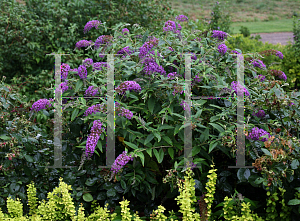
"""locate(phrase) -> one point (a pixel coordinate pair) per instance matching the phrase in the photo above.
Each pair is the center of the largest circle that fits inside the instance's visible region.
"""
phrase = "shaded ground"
(276, 37)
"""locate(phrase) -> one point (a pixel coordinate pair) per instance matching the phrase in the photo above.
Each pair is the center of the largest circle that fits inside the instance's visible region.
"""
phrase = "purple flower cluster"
(41, 105)
(83, 43)
(152, 67)
(261, 77)
(235, 52)
(93, 109)
(125, 51)
(260, 113)
(128, 86)
(64, 69)
(222, 49)
(82, 72)
(258, 64)
(291, 104)
(91, 91)
(219, 34)
(182, 18)
(172, 75)
(279, 54)
(64, 86)
(93, 138)
(102, 40)
(234, 86)
(98, 66)
(90, 25)
(256, 133)
(282, 76)
(126, 113)
(88, 62)
(147, 47)
(171, 26)
(120, 162)
(183, 104)
(171, 49)
(125, 31)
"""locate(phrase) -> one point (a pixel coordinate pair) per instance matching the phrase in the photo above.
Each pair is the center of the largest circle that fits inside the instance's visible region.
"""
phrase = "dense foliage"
(150, 108)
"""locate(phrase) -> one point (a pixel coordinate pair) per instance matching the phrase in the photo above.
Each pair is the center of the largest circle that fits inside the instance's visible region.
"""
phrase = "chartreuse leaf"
(294, 202)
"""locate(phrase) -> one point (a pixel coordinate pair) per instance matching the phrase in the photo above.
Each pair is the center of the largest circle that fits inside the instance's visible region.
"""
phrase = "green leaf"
(4, 137)
(74, 114)
(171, 152)
(99, 146)
(157, 135)
(294, 202)
(243, 174)
(165, 126)
(133, 146)
(168, 140)
(294, 164)
(87, 197)
(212, 146)
(266, 151)
(78, 85)
(142, 157)
(123, 184)
(91, 181)
(259, 180)
(111, 192)
(159, 155)
(151, 104)
(176, 130)
(149, 151)
(13, 188)
(218, 127)
(28, 158)
(148, 139)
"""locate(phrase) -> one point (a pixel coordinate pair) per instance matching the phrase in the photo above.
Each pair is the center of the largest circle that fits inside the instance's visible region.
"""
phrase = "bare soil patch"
(276, 37)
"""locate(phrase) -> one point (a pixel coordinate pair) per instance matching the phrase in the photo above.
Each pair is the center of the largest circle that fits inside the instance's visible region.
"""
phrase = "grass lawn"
(257, 15)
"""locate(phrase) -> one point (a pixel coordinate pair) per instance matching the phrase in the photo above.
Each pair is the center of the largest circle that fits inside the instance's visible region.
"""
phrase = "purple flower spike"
(90, 25)
(83, 43)
(260, 113)
(222, 49)
(258, 64)
(41, 105)
(120, 162)
(91, 91)
(93, 138)
(171, 26)
(125, 31)
(279, 54)
(182, 18)
(256, 134)
(261, 77)
(234, 86)
(88, 62)
(128, 85)
(221, 35)
(82, 72)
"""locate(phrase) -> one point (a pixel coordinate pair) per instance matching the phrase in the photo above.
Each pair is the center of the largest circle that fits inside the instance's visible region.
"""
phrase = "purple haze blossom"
(234, 87)
(147, 47)
(219, 34)
(171, 26)
(93, 138)
(82, 72)
(64, 69)
(41, 105)
(126, 113)
(89, 25)
(282, 76)
(125, 31)
(260, 113)
(258, 64)
(256, 134)
(64, 86)
(291, 104)
(120, 162)
(94, 109)
(98, 66)
(279, 54)
(125, 51)
(91, 91)
(235, 52)
(261, 77)
(222, 49)
(152, 67)
(171, 49)
(88, 62)
(128, 86)
(83, 43)
(182, 18)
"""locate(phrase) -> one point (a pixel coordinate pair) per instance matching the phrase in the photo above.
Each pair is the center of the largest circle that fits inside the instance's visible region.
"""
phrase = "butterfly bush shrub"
(149, 100)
